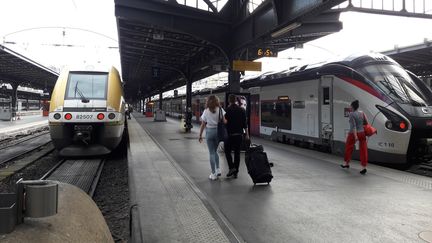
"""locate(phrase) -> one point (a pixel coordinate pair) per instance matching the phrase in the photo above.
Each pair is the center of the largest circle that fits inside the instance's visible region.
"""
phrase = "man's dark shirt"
(236, 117)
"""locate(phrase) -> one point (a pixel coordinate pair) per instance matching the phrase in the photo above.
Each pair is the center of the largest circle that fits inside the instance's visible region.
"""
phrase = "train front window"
(88, 85)
(395, 82)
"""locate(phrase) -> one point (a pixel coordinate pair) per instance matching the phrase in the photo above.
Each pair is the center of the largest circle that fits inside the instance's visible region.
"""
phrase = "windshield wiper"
(83, 98)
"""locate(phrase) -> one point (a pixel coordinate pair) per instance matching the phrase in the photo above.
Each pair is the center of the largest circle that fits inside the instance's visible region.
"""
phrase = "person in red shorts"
(356, 120)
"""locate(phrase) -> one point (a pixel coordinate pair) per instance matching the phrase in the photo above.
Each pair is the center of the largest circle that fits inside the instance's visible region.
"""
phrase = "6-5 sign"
(265, 52)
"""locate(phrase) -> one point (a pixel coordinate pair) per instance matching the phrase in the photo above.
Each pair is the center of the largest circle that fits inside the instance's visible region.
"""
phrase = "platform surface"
(24, 125)
(311, 199)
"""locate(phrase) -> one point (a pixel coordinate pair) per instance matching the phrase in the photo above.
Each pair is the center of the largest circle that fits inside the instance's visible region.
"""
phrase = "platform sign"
(239, 65)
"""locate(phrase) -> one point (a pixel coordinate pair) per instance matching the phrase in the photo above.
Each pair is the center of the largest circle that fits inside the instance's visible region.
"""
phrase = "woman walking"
(356, 121)
(209, 120)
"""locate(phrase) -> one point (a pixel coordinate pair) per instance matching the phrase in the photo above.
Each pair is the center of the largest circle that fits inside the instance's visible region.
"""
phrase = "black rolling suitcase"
(258, 165)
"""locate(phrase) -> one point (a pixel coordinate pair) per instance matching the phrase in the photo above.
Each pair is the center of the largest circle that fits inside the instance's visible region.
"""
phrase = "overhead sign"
(239, 65)
(264, 52)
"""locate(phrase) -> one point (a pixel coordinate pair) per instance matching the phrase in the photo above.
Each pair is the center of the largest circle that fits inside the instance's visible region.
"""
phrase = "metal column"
(234, 81)
(160, 100)
(14, 99)
(188, 120)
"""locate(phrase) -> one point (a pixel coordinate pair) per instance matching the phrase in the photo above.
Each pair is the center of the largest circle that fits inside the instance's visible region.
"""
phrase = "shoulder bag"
(221, 129)
(368, 129)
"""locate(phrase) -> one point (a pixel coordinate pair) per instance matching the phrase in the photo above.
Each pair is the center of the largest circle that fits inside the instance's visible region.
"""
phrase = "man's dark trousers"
(233, 143)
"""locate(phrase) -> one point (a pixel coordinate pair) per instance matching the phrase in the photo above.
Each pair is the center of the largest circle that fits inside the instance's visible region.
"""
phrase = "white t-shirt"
(210, 118)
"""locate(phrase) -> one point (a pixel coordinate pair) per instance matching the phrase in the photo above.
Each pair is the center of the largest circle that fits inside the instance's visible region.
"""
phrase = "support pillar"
(160, 100)
(14, 98)
(188, 103)
(234, 81)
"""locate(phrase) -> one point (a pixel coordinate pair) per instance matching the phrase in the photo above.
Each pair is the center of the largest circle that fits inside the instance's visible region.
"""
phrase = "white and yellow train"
(87, 112)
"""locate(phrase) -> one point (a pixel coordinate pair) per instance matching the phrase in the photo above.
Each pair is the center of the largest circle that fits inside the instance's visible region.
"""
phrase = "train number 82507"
(84, 117)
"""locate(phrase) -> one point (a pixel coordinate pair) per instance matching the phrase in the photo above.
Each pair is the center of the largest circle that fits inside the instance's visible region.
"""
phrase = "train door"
(326, 108)
(254, 116)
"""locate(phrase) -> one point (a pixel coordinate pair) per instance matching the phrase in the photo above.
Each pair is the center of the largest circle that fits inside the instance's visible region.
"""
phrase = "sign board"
(263, 52)
(239, 65)
(156, 72)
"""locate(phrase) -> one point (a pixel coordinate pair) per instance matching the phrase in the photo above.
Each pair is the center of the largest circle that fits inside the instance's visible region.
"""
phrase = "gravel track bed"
(112, 197)
(32, 172)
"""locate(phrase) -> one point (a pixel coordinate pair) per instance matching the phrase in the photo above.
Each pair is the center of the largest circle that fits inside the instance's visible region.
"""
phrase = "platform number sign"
(156, 72)
(266, 52)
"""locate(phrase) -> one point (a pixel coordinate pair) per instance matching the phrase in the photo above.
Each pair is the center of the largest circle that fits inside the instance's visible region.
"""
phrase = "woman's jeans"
(212, 144)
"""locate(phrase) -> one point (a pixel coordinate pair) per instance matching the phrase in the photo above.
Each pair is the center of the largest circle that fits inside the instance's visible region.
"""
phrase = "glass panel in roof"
(254, 4)
(201, 4)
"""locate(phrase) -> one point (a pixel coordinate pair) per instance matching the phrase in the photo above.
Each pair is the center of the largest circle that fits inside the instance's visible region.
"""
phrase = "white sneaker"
(213, 177)
(218, 172)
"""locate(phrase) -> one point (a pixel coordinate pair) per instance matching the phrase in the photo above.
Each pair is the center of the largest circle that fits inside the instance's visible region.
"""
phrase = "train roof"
(310, 71)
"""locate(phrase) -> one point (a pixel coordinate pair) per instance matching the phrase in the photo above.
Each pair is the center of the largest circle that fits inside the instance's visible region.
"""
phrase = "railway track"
(4, 144)
(13, 151)
(83, 173)
(423, 167)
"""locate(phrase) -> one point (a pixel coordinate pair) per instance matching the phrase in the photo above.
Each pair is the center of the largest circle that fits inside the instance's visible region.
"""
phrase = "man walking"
(235, 124)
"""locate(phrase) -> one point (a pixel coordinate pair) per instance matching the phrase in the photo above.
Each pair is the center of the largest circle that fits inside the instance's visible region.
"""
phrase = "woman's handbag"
(221, 129)
(368, 129)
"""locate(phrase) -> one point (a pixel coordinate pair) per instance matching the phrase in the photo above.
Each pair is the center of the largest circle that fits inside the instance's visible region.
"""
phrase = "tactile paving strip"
(197, 224)
(79, 173)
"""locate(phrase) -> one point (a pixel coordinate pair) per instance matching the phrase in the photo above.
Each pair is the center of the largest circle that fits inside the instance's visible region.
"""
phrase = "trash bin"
(8, 212)
(41, 199)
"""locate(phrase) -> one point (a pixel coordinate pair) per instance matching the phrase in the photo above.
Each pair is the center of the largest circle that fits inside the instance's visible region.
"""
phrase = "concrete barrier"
(78, 220)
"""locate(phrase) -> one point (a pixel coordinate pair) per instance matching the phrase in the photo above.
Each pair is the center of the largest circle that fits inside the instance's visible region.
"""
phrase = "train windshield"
(396, 83)
(87, 86)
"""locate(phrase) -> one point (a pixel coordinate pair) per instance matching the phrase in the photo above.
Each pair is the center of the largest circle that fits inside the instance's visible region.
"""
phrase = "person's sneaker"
(212, 177)
(231, 172)
(363, 172)
(218, 172)
(344, 166)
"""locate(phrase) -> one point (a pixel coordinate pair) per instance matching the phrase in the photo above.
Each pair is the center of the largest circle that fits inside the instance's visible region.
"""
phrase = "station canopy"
(17, 69)
(415, 58)
(164, 43)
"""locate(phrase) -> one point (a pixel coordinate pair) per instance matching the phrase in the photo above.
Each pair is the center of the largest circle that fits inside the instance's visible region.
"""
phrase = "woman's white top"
(212, 119)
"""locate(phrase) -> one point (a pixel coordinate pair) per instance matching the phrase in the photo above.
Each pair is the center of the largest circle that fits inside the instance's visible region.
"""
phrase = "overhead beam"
(200, 24)
(402, 13)
(211, 6)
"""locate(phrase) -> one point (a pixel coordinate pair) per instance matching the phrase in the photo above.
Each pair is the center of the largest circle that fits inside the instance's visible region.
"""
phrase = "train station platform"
(311, 199)
(24, 125)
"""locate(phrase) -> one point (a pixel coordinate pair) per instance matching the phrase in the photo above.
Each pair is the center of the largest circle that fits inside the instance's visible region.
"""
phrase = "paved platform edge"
(22, 129)
(215, 212)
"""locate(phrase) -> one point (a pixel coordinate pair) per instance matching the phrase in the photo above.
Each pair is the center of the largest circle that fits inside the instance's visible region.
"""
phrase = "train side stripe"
(363, 86)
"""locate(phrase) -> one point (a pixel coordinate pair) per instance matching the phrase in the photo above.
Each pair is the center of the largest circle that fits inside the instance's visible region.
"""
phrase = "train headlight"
(68, 116)
(111, 116)
(395, 122)
(402, 125)
(57, 116)
(389, 124)
(100, 116)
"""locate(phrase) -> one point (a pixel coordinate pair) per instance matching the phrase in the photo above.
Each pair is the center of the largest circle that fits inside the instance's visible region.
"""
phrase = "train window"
(326, 95)
(276, 114)
(89, 85)
(395, 82)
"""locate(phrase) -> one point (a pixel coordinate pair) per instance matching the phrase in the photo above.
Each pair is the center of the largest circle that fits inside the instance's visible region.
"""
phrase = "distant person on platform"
(236, 125)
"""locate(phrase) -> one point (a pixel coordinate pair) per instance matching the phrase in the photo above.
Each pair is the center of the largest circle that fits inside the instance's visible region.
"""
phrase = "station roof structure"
(165, 42)
(416, 58)
(17, 69)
